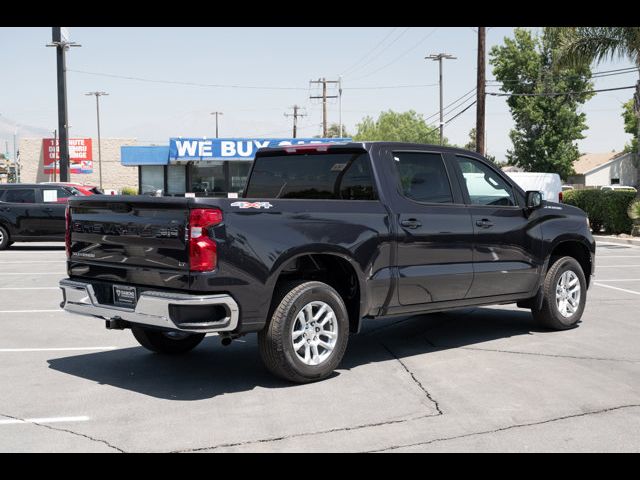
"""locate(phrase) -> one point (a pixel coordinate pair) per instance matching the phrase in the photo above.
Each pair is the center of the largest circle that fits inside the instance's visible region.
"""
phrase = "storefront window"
(152, 180)
(238, 172)
(176, 180)
(208, 180)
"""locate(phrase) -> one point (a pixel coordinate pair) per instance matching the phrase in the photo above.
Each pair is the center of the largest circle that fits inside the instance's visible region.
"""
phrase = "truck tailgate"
(124, 239)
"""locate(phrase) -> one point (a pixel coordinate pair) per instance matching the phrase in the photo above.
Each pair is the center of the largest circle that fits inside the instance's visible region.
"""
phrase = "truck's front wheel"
(166, 342)
(308, 332)
(5, 241)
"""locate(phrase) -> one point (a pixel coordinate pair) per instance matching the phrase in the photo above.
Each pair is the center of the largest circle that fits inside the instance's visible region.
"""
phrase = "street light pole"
(439, 57)
(340, 103)
(61, 41)
(98, 95)
(216, 114)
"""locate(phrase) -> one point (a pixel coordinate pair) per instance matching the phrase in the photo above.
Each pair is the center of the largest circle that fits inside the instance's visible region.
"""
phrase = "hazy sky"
(264, 57)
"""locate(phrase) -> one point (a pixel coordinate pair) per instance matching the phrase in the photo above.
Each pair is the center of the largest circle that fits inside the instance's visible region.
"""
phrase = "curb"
(619, 241)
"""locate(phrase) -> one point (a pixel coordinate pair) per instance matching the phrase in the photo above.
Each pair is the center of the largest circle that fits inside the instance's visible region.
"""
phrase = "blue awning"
(143, 155)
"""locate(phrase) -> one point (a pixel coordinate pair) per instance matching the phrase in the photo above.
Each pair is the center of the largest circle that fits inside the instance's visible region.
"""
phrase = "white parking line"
(619, 279)
(31, 311)
(63, 349)
(617, 256)
(34, 273)
(42, 261)
(616, 288)
(616, 266)
(29, 288)
(13, 421)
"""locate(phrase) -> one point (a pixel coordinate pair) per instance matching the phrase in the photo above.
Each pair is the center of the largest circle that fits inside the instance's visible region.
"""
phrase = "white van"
(548, 183)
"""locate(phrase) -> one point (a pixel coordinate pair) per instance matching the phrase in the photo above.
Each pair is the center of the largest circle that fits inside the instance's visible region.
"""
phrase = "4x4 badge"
(252, 204)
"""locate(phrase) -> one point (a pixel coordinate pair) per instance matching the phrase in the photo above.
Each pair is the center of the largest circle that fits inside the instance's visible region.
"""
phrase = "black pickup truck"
(323, 237)
(33, 212)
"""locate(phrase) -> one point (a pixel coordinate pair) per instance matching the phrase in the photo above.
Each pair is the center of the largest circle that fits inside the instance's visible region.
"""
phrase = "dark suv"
(31, 212)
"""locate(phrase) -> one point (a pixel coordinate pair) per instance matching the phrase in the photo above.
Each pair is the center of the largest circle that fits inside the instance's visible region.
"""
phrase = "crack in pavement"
(516, 352)
(304, 434)
(340, 429)
(58, 429)
(415, 380)
(510, 427)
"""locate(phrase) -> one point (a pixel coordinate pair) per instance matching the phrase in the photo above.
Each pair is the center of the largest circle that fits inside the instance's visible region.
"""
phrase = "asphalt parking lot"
(483, 379)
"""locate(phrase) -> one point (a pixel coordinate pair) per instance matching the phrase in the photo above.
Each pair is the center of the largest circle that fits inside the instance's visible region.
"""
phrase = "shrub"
(129, 191)
(590, 202)
(606, 208)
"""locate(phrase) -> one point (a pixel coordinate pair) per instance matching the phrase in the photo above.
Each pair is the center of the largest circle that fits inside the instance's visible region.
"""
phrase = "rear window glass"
(333, 176)
(20, 195)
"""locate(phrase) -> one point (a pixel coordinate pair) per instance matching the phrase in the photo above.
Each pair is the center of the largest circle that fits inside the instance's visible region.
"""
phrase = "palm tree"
(585, 45)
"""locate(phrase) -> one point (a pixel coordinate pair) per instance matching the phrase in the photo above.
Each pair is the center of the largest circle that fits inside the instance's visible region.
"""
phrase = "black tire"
(549, 315)
(161, 342)
(5, 241)
(275, 340)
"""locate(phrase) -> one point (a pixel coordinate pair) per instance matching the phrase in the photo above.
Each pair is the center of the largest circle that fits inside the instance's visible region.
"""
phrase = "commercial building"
(201, 166)
(38, 161)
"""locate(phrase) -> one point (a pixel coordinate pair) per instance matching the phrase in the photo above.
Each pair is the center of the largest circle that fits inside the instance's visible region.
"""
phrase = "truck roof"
(364, 146)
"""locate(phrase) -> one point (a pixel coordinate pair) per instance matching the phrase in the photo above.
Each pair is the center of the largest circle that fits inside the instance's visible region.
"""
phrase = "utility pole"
(340, 103)
(98, 95)
(324, 98)
(55, 154)
(295, 116)
(216, 114)
(60, 40)
(480, 99)
(439, 57)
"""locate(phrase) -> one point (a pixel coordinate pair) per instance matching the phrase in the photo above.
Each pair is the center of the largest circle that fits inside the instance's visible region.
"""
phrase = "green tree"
(631, 126)
(397, 127)
(471, 145)
(333, 131)
(577, 46)
(547, 125)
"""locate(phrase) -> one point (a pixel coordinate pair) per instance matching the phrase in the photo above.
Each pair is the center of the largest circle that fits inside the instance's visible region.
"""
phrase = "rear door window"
(20, 195)
(423, 177)
(329, 176)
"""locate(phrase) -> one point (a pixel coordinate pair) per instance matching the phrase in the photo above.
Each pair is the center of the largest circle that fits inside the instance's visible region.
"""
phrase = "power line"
(383, 50)
(461, 99)
(556, 94)
(192, 84)
(195, 84)
(401, 55)
(370, 51)
(604, 73)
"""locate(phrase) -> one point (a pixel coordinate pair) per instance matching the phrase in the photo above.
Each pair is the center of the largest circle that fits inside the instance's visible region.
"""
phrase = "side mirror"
(534, 199)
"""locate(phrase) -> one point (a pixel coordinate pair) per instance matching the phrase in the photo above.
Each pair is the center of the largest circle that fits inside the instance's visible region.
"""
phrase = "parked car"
(549, 184)
(33, 212)
(82, 188)
(324, 237)
(623, 188)
(566, 188)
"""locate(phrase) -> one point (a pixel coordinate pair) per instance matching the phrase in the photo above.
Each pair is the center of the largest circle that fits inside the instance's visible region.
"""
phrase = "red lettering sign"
(80, 155)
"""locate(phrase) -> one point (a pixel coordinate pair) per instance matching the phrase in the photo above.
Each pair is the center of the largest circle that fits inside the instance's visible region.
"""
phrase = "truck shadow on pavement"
(211, 369)
(31, 248)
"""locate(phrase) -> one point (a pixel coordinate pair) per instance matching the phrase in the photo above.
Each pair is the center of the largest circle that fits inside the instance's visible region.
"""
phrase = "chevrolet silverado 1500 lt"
(323, 237)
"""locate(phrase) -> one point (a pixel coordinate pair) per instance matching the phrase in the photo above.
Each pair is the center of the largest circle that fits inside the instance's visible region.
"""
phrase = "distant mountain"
(8, 128)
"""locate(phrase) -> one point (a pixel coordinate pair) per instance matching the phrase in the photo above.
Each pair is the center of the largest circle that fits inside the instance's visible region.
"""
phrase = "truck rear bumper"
(215, 313)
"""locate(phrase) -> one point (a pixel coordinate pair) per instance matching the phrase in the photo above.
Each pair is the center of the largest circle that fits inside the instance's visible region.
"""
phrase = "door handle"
(411, 223)
(48, 209)
(484, 223)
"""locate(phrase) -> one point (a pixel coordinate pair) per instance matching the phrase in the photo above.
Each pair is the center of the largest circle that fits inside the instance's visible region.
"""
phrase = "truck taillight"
(560, 197)
(203, 251)
(67, 231)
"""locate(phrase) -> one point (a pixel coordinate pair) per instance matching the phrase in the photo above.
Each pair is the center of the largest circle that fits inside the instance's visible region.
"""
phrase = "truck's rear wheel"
(166, 342)
(308, 332)
(5, 242)
(565, 295)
